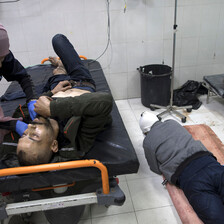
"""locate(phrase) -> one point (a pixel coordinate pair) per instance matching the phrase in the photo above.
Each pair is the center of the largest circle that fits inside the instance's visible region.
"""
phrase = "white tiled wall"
(142, 35)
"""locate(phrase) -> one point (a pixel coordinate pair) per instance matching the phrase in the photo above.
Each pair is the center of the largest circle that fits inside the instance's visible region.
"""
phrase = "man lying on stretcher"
(69, 115)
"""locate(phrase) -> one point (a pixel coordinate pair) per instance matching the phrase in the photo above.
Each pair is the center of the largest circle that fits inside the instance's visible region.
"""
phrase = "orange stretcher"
(61, 190)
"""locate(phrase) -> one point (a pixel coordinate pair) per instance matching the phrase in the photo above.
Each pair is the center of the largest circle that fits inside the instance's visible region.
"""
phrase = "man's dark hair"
(43, 156)
(26, 160)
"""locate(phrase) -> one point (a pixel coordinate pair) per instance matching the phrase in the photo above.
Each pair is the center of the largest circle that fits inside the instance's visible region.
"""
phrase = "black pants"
(73, 64)
(203, 184)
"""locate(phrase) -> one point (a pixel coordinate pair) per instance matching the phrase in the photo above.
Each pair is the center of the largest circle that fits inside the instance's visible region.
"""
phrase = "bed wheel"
(16, 219)
(69, 215)
(152, 108)
(189, 110)
(183, 120)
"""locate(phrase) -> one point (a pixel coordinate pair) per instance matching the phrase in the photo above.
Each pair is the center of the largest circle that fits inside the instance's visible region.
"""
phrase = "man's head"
(146, 121)
(4, 44)
(38, 142)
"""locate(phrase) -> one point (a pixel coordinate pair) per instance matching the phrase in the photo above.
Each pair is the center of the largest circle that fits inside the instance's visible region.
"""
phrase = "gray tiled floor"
(147, 201)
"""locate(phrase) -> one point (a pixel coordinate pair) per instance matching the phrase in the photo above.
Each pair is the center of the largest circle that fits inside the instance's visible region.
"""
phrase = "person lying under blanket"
(170, 150)
(68, 116)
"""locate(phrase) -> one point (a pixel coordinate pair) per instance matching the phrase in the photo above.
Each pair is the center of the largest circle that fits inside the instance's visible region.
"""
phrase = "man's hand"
(62, 86)
(42, 106)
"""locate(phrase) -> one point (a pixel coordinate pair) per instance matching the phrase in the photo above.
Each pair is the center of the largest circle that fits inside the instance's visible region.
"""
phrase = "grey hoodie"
(169, 148)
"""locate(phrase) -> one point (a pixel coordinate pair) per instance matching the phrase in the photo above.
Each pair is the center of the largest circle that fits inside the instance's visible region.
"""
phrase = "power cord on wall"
(108, 38)
(125, 6)
(108, 31)
(9, 1)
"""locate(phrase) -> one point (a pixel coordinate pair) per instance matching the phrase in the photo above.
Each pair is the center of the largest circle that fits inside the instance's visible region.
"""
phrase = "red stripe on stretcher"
(54, 187)
(12, 136)
(65, 132)
(20, 107)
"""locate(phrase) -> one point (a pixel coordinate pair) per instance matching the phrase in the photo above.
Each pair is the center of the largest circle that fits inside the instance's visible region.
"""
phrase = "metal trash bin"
(155, 84)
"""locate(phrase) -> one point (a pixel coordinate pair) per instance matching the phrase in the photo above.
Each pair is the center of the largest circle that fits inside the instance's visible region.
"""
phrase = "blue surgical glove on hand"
(21, 127)
(32, 113)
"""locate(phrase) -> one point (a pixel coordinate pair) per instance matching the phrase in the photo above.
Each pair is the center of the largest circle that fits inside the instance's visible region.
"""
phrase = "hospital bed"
(214, 84)
(91, 180)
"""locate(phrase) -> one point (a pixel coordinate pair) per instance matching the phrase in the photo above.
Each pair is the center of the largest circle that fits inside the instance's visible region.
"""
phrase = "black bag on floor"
(187, 94)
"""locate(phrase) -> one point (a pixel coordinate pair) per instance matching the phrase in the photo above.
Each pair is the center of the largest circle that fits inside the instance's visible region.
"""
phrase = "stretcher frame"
(108, 194)
(102, 196)
(211, 91)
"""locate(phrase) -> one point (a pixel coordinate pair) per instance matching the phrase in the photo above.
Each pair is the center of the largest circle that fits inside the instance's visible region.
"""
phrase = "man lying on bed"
(70, 114)
(170, 150)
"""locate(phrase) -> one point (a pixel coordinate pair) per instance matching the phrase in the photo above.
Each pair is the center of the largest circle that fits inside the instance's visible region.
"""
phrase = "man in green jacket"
(84, 117)
(70, 113)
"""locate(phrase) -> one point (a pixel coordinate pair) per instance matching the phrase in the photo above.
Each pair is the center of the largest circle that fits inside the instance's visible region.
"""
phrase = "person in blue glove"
(12, 70)
(19, 126)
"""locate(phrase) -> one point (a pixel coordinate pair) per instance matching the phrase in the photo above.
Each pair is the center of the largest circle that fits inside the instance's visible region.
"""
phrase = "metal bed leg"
(211, 91)
(208, 95)
(173, 109)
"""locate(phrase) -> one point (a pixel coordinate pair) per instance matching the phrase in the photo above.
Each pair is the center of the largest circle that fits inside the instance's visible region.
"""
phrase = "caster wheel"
(152, 108)
(183, 120)
(159, 118)
(189, 110)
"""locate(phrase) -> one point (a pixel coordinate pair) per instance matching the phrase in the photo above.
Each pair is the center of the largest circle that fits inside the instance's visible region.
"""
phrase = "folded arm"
(89, 104)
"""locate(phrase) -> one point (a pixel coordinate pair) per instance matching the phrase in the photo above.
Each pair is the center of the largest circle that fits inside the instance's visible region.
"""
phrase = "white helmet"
(147, 120)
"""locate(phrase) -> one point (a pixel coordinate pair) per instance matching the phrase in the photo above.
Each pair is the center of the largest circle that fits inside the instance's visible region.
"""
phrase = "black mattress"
(216, 82)
(112, 146)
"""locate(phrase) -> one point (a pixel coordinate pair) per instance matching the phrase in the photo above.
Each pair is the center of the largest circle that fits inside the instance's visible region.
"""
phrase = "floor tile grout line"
(145, 209)
(112, 215)
(132, 201)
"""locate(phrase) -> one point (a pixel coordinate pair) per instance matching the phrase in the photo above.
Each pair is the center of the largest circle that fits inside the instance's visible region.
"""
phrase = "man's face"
(1, 60)
(37, 138)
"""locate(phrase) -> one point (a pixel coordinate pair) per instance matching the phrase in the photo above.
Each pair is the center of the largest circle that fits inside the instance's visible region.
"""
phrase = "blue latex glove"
(32, 113)
(21, 127)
